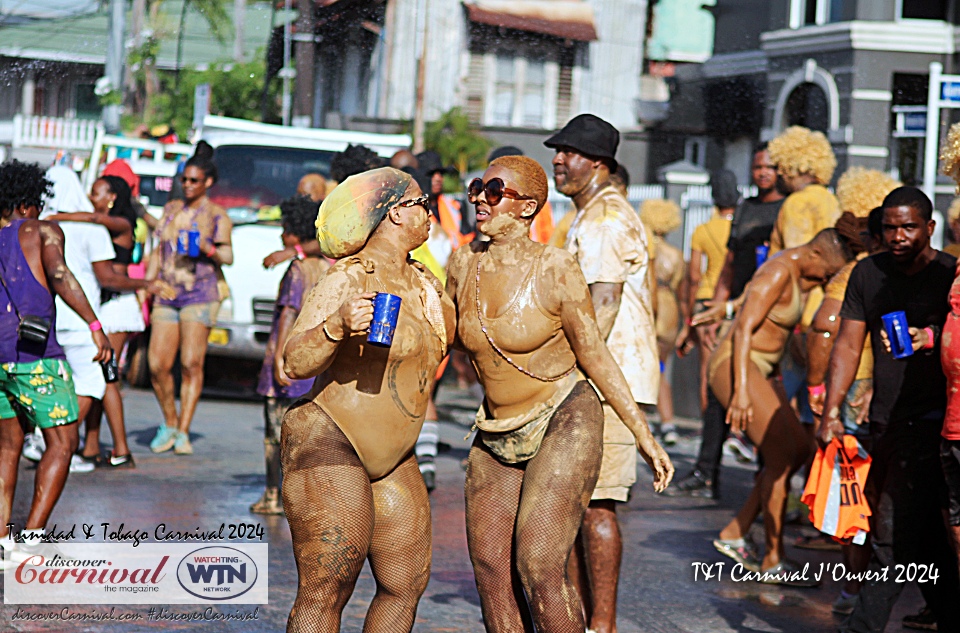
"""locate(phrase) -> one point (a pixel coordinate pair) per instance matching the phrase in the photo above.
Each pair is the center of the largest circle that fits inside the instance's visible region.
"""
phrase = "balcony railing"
(54, 132)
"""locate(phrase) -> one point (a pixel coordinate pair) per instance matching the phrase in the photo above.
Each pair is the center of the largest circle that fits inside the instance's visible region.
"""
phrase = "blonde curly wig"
(662, 216)
(861, 190)
(953, 213)
(950, 155)
(801, 151)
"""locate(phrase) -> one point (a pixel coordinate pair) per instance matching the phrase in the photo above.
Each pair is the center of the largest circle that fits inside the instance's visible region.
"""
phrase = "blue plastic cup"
(183, 242)
(898, 332)
(762, 251)
(193, 249)
(386, 309)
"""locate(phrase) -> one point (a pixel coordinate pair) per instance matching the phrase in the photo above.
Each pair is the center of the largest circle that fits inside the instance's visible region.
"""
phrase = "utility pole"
(138, 15)
(287, 73)
(113, 68)
(304, 91)
(418, 121)
(239, 24)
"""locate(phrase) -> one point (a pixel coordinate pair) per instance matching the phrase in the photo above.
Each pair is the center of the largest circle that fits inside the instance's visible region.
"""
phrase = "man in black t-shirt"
(905, 484)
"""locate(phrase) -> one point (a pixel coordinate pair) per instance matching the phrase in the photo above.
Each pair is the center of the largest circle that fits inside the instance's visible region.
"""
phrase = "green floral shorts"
(40, 392)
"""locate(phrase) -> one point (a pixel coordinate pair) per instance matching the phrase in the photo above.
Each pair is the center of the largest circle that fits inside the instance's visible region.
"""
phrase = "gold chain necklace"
(500, 352)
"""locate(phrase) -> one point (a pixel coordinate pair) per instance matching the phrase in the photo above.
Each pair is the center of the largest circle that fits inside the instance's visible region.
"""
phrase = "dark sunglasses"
(494, 190)
(192, 181)
(414, 202)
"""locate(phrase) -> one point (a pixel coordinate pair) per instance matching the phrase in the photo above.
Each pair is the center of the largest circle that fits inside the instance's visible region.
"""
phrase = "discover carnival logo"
(151, 573)
(217, 573)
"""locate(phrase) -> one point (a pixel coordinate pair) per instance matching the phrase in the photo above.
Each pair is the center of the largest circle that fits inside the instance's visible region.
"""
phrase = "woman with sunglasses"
(526, 319)
(194, 242)
(351, 486)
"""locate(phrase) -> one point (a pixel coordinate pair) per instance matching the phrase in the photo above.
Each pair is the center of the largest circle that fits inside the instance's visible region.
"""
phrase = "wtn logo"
(217, 573)
(225, 573)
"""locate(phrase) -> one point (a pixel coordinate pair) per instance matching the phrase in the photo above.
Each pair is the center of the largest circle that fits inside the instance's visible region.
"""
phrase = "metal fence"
(696, 205)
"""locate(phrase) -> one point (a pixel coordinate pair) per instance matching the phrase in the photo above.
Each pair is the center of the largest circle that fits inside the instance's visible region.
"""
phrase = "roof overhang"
(567, 19)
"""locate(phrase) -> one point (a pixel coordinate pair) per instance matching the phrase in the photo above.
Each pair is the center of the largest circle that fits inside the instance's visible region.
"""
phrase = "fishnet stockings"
(338, 518)
(522, 520)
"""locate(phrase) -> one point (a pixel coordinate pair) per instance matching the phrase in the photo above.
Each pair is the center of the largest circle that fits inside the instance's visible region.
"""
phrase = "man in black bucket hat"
(615, 253)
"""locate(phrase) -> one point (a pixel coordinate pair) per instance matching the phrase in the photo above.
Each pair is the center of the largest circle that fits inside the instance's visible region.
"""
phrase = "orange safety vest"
(834, 491)
(449, 211)
(542, 228)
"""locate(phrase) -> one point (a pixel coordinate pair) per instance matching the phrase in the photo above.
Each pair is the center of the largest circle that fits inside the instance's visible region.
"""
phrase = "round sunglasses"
(494, 190)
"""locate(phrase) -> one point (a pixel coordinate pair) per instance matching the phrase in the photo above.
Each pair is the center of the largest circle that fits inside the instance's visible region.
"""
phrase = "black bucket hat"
(590, 135)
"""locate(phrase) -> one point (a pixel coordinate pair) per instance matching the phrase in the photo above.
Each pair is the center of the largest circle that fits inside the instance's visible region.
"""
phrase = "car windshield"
(156, 189)
(253, 177)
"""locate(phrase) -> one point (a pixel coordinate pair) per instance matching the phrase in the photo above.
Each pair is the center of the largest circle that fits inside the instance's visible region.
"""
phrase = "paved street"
(225, 475)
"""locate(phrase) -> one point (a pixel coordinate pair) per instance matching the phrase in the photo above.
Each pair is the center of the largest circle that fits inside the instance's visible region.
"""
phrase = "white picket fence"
(54, 132)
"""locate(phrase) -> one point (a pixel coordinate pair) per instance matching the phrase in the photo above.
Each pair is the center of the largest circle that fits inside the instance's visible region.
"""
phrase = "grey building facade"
(849, 68)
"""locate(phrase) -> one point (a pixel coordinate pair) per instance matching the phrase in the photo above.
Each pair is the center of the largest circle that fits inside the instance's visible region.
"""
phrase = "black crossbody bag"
(32, 329)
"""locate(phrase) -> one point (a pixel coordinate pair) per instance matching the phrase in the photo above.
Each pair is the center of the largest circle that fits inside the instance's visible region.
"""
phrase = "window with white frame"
(504, 89)
(815, 12)
(519, 90)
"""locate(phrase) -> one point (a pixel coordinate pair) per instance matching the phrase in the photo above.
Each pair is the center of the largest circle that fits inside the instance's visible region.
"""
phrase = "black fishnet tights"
(522, 520)
(338, 518)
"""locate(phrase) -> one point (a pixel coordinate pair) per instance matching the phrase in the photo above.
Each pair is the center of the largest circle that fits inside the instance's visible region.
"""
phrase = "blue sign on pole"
(915, 122)
(950, 91)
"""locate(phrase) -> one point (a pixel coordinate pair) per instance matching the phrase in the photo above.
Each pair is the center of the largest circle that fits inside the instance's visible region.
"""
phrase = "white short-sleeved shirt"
(83, 244)
(612, 246)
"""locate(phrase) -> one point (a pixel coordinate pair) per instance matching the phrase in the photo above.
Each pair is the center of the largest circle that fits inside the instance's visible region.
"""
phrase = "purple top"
(29, 297)
(195, 279)
(293, 290)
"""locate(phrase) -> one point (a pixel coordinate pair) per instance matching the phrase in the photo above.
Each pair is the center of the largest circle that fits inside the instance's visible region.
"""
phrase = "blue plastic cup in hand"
(898, 332)
(762, 252)
(386, 309)
(183, 242)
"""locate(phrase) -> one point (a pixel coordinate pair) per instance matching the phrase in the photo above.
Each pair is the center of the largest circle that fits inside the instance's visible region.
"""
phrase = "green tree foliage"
(236, 90)
(457, 141)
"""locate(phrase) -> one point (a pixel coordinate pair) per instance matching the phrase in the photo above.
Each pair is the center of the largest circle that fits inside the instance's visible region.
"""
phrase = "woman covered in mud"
(351, 488)
(526, 319)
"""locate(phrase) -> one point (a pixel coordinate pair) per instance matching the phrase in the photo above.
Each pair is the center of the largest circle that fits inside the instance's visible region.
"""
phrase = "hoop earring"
(110, 206)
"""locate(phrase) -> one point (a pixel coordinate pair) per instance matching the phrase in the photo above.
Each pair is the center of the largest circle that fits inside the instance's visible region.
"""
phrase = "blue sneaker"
(164, 440)
(181, 444)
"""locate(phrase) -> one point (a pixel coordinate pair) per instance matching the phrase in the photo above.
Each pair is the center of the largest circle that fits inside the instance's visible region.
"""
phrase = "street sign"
(910, 121)
(950, 94)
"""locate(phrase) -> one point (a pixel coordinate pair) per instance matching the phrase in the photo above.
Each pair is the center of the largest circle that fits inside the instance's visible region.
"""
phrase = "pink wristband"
(212, 252)
(300, 254)
(96, 326)
(930, 340)
(817, 390)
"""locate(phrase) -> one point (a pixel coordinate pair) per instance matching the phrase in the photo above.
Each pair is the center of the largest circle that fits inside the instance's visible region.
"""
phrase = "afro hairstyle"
(354, 160)
(661, 216)
(298, 215)
(799, 150)
(22, 185)
(860, 190)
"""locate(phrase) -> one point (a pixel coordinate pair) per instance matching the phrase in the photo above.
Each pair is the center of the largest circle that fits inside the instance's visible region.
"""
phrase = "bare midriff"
(524, 331)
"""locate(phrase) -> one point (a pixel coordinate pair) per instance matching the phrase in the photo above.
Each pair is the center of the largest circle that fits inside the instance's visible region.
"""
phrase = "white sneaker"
(79, 465)
(741, 450)
(669, 435)
(33, 446)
